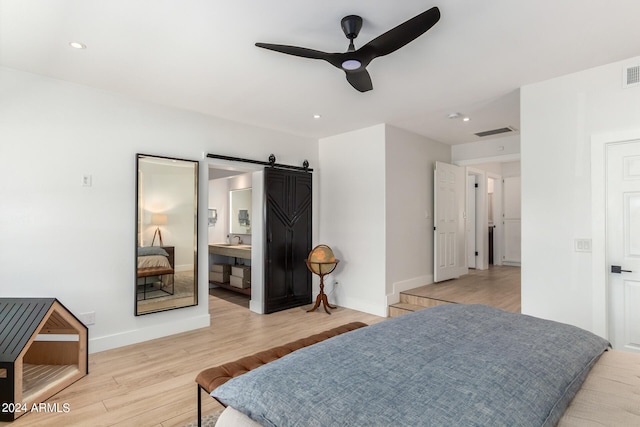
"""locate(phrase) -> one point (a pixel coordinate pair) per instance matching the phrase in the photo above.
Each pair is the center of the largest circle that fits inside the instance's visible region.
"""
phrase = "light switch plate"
(582, 245)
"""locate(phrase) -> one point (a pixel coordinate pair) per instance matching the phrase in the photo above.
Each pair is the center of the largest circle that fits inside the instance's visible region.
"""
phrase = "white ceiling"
(200, 55)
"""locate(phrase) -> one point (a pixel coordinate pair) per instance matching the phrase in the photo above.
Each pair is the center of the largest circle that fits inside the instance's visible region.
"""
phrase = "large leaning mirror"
(166, 234)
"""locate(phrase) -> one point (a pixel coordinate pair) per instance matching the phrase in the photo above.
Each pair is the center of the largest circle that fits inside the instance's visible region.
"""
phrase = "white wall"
(352, 216)
(501, 149)
(218, 190)
(77, 243)
(558, 118)
(410, 160)
(376, 212)
(219, 199)
(502, 169)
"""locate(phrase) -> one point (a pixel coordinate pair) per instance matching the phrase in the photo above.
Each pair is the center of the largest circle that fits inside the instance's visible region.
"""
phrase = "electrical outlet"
(88, 318)
(86, 180)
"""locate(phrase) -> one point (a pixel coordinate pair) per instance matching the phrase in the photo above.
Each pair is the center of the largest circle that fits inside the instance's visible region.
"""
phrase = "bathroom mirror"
(166, 234)
(240, 211)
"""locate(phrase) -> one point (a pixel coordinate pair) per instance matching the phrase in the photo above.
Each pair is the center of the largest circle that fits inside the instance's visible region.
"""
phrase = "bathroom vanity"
(237, 277)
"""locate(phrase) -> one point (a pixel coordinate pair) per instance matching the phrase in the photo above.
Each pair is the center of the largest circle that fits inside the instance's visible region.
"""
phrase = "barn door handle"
(618, 269)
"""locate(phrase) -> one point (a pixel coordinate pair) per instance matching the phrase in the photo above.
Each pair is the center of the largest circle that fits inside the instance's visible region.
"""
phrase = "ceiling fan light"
(351, 64)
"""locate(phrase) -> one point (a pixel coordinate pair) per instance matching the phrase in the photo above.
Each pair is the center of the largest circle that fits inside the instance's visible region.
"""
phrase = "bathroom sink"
(231, 250)
(241, 245)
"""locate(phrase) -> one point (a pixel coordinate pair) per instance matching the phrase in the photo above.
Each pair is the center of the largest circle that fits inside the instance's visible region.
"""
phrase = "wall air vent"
(631, 76)
(495, 131)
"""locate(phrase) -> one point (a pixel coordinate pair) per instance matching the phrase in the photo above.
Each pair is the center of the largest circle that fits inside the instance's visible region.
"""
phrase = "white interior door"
(623, 244)
(449, 250)
(471, 221)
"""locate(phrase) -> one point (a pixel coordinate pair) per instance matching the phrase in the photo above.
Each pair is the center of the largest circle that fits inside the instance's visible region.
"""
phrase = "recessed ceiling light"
(317, 116)
(466, 119)
(77, 45)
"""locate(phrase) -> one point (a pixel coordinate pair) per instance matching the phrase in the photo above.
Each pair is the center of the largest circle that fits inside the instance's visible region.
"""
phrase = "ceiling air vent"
(495, 131)
(631, 76)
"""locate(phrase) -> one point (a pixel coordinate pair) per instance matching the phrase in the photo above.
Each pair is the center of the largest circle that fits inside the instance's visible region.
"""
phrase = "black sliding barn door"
(288, 228)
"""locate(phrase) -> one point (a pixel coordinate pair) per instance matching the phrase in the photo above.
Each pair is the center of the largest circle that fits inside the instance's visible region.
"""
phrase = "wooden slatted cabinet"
(43, 349)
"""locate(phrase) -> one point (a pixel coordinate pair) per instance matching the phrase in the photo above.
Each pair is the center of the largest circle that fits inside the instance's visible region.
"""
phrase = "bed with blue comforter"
(451, 365)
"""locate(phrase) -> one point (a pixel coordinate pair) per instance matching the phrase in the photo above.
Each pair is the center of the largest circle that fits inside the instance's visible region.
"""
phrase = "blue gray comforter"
(451, 365)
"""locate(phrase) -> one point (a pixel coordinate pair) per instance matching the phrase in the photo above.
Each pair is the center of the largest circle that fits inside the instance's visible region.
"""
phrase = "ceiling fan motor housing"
(351, 26)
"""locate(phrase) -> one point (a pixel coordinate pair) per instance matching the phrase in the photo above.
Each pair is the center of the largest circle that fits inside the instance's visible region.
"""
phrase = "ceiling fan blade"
(360, 80)
(295, 51)
(401, 35)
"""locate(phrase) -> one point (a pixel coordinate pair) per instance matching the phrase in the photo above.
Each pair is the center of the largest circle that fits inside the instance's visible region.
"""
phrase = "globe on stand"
(321, 262)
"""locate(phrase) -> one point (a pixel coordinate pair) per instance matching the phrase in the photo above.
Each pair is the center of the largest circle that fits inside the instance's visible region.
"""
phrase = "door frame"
(504, 220)
(481, 218)
(471, 227)
(497, 216)
(599, 256)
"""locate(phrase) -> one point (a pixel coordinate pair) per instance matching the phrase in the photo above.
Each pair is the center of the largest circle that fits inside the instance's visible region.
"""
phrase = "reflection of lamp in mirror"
(158, 220)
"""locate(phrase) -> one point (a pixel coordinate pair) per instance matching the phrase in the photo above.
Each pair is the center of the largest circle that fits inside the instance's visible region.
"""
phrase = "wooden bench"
(154, 271)
(143, 273)
(211, 378)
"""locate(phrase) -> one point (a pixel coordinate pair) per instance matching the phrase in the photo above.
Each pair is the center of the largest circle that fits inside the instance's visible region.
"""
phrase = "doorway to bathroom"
(231, 225)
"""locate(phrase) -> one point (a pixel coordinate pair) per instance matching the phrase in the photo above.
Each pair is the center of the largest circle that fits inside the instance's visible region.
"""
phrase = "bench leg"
(199, 406)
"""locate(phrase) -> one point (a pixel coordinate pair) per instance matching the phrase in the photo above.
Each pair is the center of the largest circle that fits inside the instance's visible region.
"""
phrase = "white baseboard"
(511, 263)
(359, 305)
(158, 330)
(256, 306)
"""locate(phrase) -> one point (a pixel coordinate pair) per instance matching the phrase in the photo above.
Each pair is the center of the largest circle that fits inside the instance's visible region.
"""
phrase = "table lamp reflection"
(158, 220)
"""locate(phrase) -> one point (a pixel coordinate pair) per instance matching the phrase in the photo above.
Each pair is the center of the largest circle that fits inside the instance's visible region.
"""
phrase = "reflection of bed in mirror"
(155, 272)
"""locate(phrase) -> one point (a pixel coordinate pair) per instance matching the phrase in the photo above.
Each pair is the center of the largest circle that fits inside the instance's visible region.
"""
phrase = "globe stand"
(318, 268)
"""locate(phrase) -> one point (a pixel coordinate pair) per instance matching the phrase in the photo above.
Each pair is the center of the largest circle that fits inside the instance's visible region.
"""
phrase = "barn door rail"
(271, 162)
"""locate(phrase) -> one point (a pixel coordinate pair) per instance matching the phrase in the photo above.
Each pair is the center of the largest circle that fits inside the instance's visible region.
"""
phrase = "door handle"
(617, 269)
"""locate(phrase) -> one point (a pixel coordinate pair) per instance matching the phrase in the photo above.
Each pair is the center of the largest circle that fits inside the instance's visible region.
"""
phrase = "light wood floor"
(498, 286)
(152, 383)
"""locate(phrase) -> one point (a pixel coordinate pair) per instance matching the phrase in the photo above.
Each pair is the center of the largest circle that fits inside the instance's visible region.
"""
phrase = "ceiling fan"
(354, 61)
